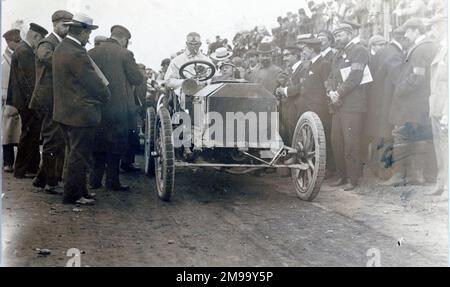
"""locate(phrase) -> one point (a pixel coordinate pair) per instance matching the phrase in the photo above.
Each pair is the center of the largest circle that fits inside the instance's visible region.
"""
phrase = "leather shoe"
(118, 187)
(339, 182)
(57, 190)
(349, 187)
(8, 169)
(95, 185)
(437, 191)
(38, 183)
(129, 168)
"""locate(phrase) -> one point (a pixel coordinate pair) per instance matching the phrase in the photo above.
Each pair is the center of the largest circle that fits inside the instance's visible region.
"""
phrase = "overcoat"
(11, 120)
(22, 77)
(78, 91)
(410, 102)
(42, 98)
(385, 67)
(120, 68)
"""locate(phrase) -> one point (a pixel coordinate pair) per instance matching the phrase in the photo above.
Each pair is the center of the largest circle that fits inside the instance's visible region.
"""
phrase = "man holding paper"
(78, 96)
(345, 90)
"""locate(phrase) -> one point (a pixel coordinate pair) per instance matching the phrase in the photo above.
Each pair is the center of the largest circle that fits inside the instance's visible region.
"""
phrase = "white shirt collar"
(74, 39)
(396, 43)
(296, 65)
(313, 60)
(9, 50)
(57, 36)
(326, 51)
(420, 39)
(355, 40)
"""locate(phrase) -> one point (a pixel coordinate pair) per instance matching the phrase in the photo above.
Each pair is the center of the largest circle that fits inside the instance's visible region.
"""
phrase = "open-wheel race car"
(231, 126)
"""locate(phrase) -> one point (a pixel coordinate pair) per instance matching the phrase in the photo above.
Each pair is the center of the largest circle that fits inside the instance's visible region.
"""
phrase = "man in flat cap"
(111, 139)
(385, 68)
(99, 39)
(20, 88)
(11, 119)
(410, 107)
(79, 93)
(251, 58)
(42, 102)
(348, 103)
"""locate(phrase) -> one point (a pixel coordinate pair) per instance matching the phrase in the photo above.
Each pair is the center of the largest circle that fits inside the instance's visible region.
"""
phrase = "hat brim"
(82, 25)
(265, 52)
(214, 56)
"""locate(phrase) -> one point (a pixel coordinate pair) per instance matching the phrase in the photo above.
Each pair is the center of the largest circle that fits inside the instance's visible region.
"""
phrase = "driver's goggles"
(193, 39)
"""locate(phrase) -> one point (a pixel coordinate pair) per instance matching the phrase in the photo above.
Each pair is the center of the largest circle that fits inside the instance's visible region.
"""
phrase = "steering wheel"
(204, 70)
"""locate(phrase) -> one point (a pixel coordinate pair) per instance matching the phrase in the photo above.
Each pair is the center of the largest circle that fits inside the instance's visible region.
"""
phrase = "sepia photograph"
(240, 133)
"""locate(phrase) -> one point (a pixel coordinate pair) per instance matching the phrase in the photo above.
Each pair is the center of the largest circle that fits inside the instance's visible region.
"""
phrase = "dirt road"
(217, 219)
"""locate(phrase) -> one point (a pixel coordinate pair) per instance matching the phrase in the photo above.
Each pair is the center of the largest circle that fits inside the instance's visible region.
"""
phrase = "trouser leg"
(81, 141)
(96, 174)
(8, 155)
(337, 142)
(28, 156)
(352, 129)
(440, 142)
(52, 147)
(112, 170)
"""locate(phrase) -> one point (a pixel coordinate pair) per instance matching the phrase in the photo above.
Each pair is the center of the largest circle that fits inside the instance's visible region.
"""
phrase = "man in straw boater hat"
(348, 103)
(80, 92)
(21, 85)
(11, 120)
(410, 108)
(111, 139)
(53, 146)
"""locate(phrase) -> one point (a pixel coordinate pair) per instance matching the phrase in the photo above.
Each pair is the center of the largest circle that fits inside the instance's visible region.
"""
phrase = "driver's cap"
(193, 38)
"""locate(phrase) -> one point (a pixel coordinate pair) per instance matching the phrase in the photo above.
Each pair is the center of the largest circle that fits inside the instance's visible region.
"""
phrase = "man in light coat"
(11, 119)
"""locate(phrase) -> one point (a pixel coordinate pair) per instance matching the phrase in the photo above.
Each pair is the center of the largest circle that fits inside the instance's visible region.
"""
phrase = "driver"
(191, 53)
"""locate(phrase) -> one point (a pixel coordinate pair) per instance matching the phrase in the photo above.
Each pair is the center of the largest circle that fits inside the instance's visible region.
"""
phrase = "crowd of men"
(82, 106)
(380, 102)
(383, 104)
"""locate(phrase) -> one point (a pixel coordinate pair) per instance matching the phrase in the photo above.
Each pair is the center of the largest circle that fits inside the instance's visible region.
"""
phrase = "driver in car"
(191, 53)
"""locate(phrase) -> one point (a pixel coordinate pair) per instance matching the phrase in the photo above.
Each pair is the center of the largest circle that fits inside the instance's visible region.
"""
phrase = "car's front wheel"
(165, 156)
(309, 140)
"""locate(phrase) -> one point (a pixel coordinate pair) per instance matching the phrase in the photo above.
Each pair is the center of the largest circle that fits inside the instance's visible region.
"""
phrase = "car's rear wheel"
(165, 156)
(309, 140)
(149, 166)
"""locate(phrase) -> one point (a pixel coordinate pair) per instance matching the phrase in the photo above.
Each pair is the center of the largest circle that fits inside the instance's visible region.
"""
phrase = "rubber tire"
(165, 182)
(313, 121)
(149, 161)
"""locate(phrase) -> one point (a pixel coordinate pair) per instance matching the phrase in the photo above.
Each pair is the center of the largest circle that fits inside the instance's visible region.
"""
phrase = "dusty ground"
(222, 220)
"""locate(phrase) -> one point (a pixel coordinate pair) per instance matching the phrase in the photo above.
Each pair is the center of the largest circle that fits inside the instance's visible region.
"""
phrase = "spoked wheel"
(149, 166)
(165, 159)
(309, 140)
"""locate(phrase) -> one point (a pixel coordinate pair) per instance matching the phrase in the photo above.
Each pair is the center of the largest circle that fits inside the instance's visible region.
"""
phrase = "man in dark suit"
(120, 68)
(348, 103)
(292, 58)
(20, 89)
(385, 67)
(42, 102)
(79, 92)
(410, 108)
(309, 91)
